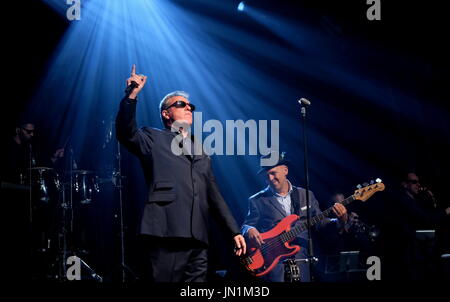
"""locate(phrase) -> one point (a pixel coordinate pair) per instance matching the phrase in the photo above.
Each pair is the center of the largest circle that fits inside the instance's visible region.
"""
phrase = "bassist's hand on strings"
(254, 237)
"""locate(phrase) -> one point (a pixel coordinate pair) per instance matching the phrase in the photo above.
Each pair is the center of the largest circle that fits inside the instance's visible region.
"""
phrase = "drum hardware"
(51, 201)
(77, 190)
(30, 195)
(116, 179)
(292, 269)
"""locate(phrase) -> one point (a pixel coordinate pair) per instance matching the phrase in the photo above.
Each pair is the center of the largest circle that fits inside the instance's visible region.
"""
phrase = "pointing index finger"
(133, 70)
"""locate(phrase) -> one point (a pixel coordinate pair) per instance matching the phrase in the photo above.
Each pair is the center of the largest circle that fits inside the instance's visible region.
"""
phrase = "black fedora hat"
(281, 160)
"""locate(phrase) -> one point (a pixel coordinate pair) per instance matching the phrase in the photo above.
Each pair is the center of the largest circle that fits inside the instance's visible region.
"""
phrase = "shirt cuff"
(245, 229)
(130, 101)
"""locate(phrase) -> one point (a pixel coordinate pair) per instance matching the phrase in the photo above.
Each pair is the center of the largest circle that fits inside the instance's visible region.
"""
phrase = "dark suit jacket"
(265, 212)
(182, 189)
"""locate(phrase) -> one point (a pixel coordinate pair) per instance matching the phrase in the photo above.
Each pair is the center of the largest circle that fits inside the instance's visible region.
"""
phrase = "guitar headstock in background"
(366, 190)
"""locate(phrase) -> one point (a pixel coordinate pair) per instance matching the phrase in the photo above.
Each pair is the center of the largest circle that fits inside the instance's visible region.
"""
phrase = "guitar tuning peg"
(372, 182)
(378, 180)
(365, 184)
(358, 186)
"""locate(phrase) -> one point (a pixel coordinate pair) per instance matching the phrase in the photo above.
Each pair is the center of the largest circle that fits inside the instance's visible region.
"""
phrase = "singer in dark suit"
(182, 191)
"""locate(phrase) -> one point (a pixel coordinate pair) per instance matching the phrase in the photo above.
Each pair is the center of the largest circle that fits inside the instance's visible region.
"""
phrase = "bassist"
(277, 201)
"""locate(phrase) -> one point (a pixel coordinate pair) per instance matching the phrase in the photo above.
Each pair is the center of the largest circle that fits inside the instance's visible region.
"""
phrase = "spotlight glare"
(241, 6)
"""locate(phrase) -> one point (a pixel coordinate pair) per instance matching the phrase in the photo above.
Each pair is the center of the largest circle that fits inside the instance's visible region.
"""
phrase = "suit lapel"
(274, 202)
(170, 136)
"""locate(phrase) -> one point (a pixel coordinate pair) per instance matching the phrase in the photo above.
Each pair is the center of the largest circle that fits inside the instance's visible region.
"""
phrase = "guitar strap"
(295, 201)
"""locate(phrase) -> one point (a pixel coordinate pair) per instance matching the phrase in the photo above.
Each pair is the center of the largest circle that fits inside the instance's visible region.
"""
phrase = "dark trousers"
(174, 260)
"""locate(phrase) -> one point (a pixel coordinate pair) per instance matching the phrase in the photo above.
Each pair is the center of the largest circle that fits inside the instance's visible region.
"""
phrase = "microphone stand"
(73, 167)
(30, 229)
(30, 196)
(122, 233)
(68, 229)
(117, 174)
(311, 259)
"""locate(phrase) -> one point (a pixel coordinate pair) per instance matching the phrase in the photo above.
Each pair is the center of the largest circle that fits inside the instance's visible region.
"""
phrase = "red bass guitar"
(261, 260)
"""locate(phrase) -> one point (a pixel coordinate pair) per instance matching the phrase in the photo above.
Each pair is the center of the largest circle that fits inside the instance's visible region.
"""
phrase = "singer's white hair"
(165, 102)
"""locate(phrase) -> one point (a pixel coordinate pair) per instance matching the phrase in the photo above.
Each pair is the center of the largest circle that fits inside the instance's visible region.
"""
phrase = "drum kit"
(63, 213)
(59, 209)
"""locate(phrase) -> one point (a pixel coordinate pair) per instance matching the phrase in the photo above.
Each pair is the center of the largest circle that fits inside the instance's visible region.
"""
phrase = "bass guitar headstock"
(366, 190)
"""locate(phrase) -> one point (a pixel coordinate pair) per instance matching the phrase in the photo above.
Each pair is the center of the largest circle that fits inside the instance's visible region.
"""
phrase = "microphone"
(304, 101)
(131, 87)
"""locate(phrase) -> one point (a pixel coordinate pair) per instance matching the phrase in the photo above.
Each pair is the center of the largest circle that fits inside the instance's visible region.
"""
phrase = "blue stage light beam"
(241, 6)
(86, 75)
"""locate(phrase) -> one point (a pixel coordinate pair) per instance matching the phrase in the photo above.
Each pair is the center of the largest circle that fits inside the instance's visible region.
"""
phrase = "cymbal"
(40, 168)
(80, 172)
(14, 186)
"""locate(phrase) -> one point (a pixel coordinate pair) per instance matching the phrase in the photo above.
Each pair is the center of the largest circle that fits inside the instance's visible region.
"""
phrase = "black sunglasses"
(28, 131)
(413, 181)
(181, 104)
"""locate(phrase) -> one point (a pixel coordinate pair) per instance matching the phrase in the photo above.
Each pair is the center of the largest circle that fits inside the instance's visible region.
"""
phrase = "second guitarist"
(278, 200)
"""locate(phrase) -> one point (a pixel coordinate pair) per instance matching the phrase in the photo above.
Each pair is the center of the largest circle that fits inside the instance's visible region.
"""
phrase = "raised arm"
(126, 128)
